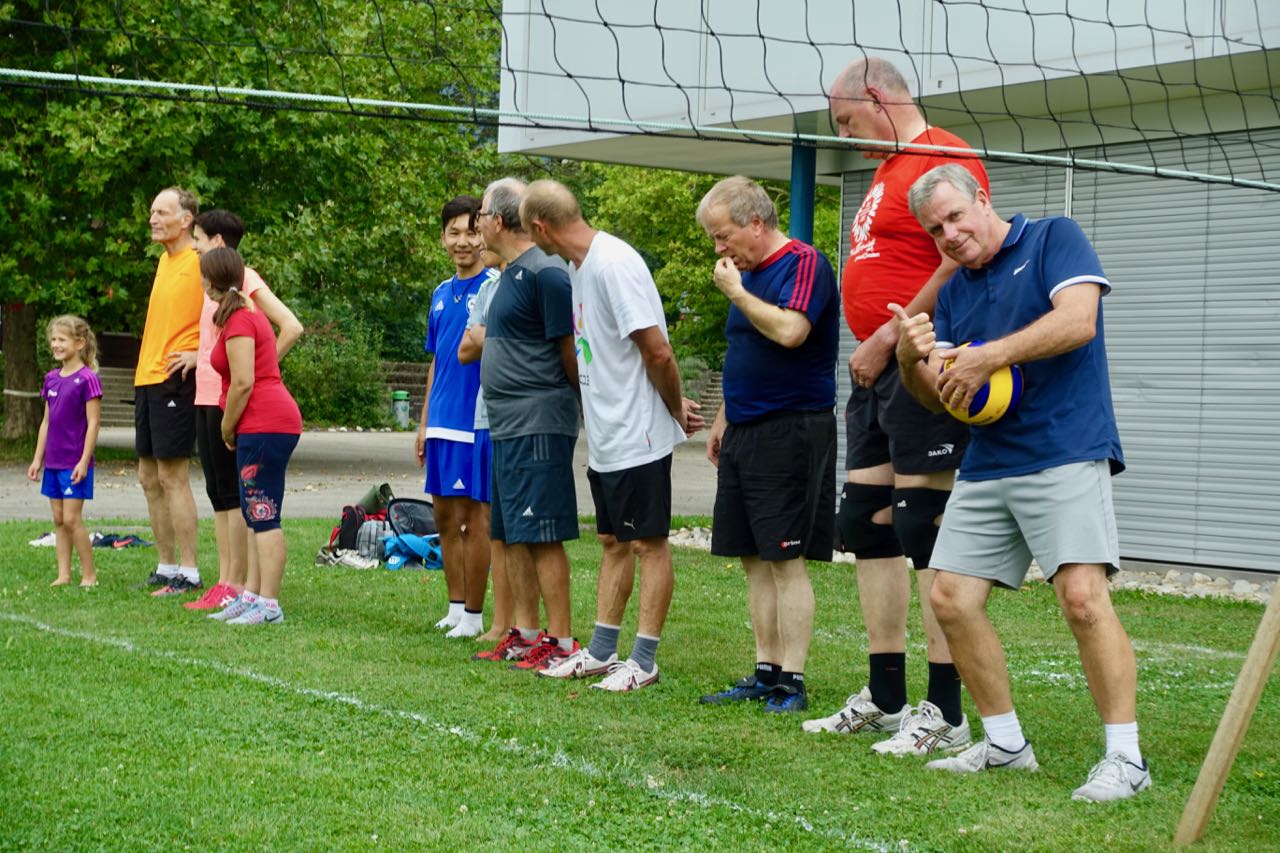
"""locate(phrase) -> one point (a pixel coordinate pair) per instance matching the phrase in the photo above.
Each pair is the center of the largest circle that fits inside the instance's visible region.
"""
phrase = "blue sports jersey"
(762, 377)
(451, 410)
(1065, 414)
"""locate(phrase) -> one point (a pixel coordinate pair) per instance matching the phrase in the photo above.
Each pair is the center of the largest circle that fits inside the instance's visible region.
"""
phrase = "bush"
(693, 375)
(335, 374)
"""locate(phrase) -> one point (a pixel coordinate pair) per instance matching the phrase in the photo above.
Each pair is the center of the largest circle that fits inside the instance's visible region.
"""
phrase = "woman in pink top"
(261, 421)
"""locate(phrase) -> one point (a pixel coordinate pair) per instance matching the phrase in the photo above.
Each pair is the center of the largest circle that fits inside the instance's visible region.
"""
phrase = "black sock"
(767, 674)
(792, 679)
(944, 691)
(889, 681)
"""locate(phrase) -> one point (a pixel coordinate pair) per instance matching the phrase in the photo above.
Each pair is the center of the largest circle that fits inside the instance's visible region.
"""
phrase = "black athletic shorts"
(776, 488)
(532, 493)
(886, 424)
(164, 418)
(221, 474)
(634, 503)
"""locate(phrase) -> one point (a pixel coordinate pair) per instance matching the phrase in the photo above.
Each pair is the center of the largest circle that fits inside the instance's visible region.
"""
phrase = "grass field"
(129, 723)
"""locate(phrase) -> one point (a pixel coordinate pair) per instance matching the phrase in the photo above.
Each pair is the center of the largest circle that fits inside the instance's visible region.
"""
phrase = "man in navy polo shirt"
(774, 439)
(1036, 483)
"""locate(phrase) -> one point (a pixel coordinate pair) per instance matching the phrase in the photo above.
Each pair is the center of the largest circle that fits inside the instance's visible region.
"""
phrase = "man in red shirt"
(901, 459)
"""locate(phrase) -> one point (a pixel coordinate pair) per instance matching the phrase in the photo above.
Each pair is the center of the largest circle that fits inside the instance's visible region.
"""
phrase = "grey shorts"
(992, 528)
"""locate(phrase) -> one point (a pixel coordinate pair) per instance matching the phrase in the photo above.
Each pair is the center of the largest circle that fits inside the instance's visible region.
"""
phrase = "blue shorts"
(262, 458)
(532, 490)
(57, 485)
(481, 466)
(448, 468)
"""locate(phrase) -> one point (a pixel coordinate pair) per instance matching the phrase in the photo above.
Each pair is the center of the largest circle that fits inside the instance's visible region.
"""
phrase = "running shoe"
(219, 595)
(859, 714)
(510, 647)
(258, 614)
(157, 579)
(237, 606)
(786, 699)
(545, 654)
(748, 689)
(581, 664)
(624, 677)
(1115, 777)
(924, 731)
(177, 586)
(985, 755)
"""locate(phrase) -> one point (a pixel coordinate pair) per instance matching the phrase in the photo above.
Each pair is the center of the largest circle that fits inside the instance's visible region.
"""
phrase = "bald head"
(549, 202)
(871, 72)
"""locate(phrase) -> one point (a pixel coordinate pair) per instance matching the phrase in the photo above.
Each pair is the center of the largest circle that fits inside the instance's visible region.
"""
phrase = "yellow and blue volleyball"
(995, 399)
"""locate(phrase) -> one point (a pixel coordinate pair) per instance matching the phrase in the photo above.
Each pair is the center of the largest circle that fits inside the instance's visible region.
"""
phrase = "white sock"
(453, 617)
(529, 634)
(566, 643)
(270, 603)
(191, 573)
(248, 597)
(167, 570)
(1004, 731)
(470, 625)
(1123, 737)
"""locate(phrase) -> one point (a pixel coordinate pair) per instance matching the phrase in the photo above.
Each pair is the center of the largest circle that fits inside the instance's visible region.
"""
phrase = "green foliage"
(335, 374)
(385, 735)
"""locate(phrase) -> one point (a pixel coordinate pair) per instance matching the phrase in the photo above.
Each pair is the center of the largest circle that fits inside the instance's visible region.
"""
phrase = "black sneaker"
(748, 689)
(177, 586)
(786, 699)
(157, 579)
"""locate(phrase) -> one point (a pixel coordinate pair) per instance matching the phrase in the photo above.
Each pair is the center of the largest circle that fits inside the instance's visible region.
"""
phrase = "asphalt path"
(328, 470)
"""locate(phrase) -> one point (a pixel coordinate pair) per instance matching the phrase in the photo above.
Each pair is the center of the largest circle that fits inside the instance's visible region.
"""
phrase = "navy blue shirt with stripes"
(761, 377)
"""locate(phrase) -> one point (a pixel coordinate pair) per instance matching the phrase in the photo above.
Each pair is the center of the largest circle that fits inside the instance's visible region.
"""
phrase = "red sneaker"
(547, 653)
(218, 596)
(511, 647)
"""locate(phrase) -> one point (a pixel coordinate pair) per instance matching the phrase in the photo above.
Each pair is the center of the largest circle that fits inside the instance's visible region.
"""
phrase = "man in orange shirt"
(901, 458)
(165, 392)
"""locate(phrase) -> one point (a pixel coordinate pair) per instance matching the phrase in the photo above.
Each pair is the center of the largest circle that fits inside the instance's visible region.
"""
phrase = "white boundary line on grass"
(556, 758)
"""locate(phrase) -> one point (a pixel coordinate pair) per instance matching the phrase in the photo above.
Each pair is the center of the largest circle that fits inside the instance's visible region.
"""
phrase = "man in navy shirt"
(1036, 483)
(774, 439)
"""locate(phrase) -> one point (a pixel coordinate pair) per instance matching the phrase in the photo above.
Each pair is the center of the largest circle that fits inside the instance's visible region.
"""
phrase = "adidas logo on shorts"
(459, 484)
(528, 512)
(172, 405)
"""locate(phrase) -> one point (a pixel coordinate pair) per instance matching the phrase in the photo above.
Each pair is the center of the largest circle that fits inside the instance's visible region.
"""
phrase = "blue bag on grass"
(410, 549)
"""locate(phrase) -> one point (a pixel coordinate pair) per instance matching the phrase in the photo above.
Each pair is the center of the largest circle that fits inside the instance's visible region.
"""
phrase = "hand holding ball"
(999, 396)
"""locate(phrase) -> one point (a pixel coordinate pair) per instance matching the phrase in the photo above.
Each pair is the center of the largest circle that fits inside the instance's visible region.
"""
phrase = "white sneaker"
(352, 560)
(580, 664)
(236, 607)
(258, 614)
(925, 731)
(1115, 777)
(985, 755)
(48, 540)
(859, 714)
(627, 676)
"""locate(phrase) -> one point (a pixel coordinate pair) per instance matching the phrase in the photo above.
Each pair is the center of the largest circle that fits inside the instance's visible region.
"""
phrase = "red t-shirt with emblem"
(890, 255)
(271, 408)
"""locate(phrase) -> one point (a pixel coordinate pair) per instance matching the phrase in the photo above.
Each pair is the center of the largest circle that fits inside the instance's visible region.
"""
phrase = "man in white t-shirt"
(635, 416)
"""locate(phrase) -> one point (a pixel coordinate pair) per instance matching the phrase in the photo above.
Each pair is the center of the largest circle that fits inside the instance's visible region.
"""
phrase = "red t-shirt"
(890, 255)
(271, 407)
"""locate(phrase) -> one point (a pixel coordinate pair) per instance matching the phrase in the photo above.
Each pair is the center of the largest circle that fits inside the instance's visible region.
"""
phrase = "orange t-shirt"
(890, 255)
(173, 315)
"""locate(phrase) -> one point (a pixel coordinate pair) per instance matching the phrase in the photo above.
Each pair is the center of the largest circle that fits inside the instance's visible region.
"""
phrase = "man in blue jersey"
(446, 429)
(530, 377)
(1036, 483)
(774, 439)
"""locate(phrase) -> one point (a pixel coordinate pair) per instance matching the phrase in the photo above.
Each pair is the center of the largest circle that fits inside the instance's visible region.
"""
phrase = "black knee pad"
(858, 533)
(914, 511)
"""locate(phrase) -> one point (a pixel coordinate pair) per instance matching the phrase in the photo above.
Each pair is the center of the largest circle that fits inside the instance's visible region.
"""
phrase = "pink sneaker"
(218, 596)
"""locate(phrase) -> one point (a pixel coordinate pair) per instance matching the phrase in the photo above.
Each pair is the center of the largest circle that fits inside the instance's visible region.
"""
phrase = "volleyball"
(995, 399)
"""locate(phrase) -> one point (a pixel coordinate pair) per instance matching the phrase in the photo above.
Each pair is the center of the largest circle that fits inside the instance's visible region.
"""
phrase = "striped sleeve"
(93, 385)
(802, 285)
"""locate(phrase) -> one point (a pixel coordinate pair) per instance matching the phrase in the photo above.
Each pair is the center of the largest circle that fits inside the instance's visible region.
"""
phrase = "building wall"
(1191, 338)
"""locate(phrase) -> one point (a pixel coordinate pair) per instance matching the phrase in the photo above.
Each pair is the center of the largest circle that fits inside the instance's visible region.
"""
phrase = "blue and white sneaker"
(985, 755)
(1115, 777)
(237, 606)
(258, 614)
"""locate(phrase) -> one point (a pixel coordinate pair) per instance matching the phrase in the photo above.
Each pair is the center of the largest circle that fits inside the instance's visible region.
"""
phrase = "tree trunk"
(22, 413)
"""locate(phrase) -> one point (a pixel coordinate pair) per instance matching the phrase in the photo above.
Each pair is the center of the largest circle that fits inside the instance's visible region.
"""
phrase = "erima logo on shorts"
(789, 543)
(942, 450)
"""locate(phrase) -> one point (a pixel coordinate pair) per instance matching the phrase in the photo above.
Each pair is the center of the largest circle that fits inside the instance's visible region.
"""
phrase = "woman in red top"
(260, 421)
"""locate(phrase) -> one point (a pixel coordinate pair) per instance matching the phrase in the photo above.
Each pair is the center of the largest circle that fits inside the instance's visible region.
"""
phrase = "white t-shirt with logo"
(628, 425)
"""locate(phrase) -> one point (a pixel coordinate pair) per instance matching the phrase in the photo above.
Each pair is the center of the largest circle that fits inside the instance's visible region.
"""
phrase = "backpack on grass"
(412, 516)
